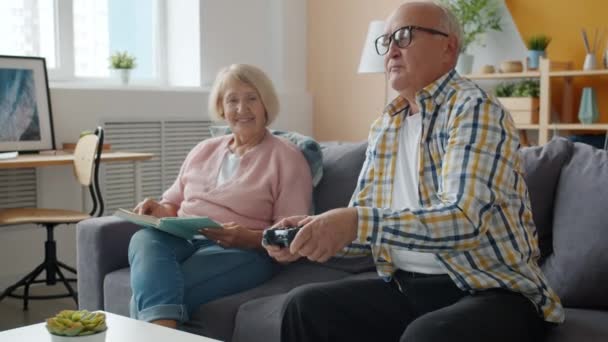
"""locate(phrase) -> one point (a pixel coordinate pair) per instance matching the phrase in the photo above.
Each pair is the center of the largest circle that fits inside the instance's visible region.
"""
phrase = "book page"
(145, 220)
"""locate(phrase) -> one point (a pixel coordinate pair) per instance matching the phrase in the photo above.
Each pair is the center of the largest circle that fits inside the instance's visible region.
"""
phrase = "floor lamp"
(371, 62)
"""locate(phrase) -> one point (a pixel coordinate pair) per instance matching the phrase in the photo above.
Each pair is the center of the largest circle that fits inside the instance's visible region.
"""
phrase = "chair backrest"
(87, 155)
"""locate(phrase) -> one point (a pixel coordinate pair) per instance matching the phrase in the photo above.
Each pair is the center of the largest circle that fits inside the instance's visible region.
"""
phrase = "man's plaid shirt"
(474, 207)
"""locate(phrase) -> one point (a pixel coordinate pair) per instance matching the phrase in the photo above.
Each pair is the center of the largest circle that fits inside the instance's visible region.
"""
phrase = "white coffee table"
(120, 329)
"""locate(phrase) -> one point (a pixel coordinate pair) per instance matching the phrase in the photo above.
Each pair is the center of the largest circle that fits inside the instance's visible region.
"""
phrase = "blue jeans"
(172, 277)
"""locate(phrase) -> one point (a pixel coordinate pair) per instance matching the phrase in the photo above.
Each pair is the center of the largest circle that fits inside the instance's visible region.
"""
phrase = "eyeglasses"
(403, 38)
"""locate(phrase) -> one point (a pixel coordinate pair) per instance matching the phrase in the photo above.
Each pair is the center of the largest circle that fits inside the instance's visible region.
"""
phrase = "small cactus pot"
(99, 337)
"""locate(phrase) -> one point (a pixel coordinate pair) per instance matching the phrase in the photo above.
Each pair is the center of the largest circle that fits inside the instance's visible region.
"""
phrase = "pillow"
(542, 166)
(341, 166)
(578, 268)
(307, 145)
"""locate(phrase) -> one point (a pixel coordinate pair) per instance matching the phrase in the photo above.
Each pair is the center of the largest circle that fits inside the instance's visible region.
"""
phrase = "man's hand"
(234, 236)
(322, 236)
(282, 255)
(151, 207)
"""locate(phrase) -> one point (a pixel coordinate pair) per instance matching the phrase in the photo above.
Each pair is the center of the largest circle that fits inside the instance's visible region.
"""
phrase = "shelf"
(573, 73)
(527, 126)
(496, 76)
(591, 127)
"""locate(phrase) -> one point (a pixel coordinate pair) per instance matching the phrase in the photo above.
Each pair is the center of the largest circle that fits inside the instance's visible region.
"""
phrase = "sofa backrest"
(342, 163)
(542, 167)
(578, 267)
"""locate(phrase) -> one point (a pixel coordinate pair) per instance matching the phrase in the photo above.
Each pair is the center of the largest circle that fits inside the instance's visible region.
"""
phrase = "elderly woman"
(246, 180)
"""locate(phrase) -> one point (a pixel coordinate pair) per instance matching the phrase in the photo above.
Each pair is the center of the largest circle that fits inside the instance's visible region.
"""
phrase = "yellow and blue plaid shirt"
(474, 211)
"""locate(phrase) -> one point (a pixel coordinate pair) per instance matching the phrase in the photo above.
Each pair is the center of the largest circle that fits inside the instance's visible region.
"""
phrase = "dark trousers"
(413, 307)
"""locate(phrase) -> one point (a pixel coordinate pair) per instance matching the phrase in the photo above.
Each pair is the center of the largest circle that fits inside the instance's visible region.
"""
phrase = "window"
(77, 36)
(27, 27)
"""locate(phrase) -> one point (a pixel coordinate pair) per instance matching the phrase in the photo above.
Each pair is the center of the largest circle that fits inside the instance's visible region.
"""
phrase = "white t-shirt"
(405, 195)
(229, 166)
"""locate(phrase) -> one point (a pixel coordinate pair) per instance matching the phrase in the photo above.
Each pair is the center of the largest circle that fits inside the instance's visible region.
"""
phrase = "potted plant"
(476, 18)
(77, 326)
(537, 46)
(521, 100)
(123, 62)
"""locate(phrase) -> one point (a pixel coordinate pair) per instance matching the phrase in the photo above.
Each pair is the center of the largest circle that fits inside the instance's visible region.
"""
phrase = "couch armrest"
(101, 247)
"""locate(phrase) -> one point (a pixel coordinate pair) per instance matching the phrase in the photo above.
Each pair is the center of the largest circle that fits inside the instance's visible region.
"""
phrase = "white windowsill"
(116, 86)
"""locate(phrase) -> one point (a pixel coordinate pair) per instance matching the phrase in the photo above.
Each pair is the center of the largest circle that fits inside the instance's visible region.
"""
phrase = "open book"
(184, 227)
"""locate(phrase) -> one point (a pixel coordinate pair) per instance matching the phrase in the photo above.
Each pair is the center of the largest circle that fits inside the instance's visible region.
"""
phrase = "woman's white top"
(229, 166)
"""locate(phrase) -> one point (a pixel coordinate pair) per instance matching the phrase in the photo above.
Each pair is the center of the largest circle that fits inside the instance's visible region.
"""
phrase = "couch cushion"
(216, 319)
(578, 267)
(341, 166)
(581, 325)
(542, 166)
(260, 319)
(117, 292)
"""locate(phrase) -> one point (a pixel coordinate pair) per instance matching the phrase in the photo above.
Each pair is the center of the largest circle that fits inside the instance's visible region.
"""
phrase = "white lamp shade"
(370, 60)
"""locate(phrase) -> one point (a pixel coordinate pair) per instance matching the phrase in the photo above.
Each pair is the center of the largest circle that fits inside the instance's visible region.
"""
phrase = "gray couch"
(568, 185)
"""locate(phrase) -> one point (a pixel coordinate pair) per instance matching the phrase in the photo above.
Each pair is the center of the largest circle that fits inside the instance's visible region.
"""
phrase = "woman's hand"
(234, 236)
(151, 207)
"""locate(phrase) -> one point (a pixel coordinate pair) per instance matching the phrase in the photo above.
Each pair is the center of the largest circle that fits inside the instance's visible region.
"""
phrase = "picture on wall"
(25, 110)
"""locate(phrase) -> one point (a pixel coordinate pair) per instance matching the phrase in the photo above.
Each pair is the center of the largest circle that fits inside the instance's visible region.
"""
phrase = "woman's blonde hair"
(249, 75)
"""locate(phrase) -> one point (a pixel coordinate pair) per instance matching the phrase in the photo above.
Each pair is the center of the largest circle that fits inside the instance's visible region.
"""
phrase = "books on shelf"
(184, 227)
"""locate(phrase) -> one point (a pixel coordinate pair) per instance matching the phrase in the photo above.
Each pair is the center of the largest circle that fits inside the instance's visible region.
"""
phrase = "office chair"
(86, 168)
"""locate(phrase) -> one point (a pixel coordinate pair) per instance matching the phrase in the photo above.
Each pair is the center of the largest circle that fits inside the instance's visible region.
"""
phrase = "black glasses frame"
(410, 29)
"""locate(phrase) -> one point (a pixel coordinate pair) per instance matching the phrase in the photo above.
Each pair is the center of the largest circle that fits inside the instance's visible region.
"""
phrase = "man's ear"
(451, 51)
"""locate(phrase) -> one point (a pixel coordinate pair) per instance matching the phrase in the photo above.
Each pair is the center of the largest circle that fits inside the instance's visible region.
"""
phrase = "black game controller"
(281, 236)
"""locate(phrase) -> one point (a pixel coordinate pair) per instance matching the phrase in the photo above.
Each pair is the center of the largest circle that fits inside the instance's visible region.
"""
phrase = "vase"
(590, 62)
(588, 112)
(464, 65)
(99, 337)
(125, 76)
(534, 58)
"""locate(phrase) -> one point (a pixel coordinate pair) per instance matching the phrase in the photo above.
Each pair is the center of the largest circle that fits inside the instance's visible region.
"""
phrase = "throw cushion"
(542, 166)
(578, 267)
(341, 166)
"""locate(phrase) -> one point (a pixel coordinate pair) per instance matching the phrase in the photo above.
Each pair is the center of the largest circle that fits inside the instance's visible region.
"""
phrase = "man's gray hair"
(449, 23)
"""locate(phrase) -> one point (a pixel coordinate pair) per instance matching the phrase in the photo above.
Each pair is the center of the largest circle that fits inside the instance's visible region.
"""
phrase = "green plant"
(76, 323)
(122, 60)
(504, 90)
(538, 42)
(476, 18)
(520, 89)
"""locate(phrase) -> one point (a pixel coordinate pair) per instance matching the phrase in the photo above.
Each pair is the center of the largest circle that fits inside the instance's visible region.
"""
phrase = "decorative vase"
(534, 58)
(590, 62)
(125, 75)
(464, 65)
(588, 112)
(99, 337)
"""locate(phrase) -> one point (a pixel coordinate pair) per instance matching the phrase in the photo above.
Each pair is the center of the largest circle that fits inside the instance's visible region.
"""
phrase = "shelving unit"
(548, 70)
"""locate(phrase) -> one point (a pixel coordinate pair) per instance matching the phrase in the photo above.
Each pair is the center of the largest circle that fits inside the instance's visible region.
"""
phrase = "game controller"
(281, 236)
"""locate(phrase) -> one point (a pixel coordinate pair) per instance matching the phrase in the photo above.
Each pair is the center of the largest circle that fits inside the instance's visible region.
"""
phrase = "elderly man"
(442, 206)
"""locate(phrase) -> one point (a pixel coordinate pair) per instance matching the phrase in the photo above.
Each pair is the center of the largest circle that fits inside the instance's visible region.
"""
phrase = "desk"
(63, 158)
(40, 160)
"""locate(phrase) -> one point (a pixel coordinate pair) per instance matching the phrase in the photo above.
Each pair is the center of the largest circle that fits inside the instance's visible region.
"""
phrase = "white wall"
(267, 33)
(499, 46)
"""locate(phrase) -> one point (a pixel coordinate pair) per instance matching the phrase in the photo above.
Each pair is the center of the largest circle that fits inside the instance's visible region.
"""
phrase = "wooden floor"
(12, 314)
